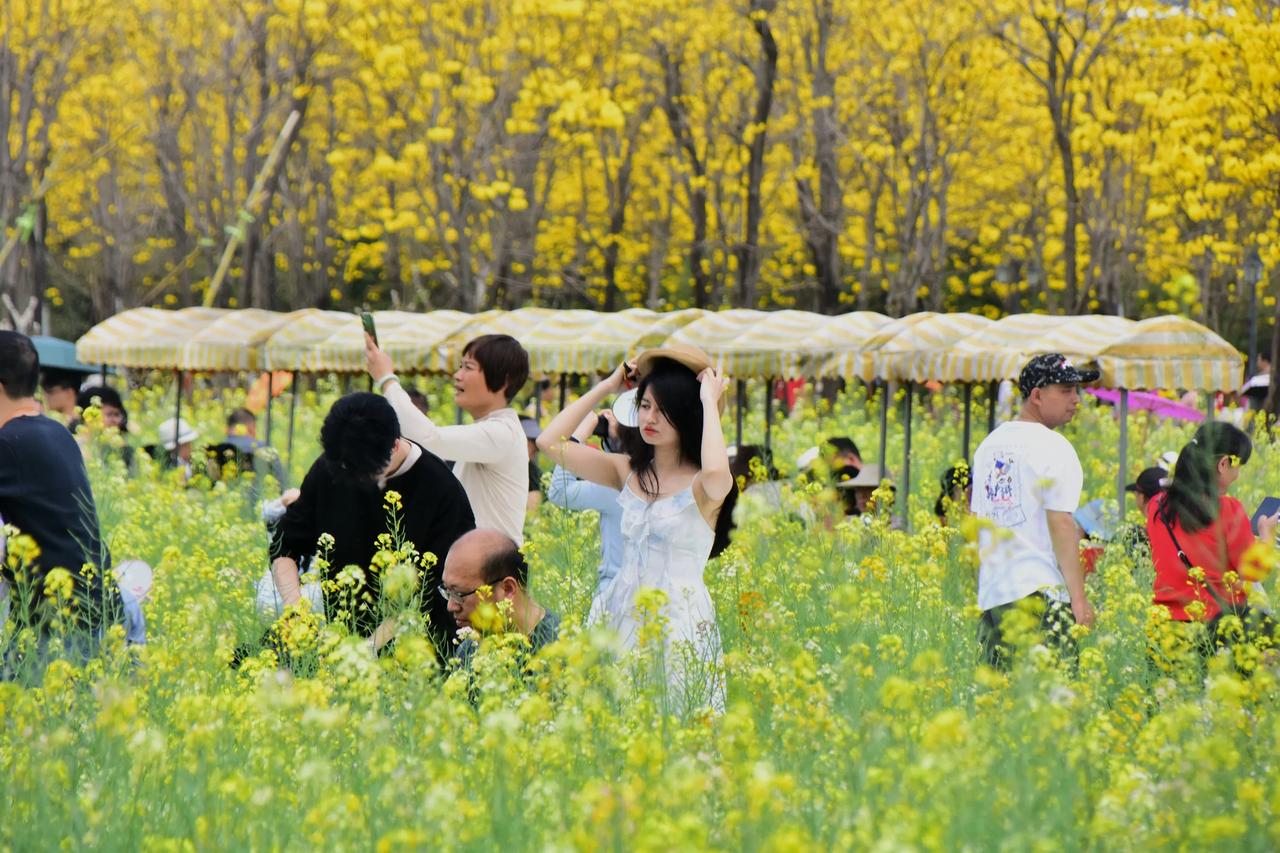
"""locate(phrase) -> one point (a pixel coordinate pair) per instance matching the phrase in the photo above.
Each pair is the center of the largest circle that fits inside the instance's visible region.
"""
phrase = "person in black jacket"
(343, 495)
(45, 493)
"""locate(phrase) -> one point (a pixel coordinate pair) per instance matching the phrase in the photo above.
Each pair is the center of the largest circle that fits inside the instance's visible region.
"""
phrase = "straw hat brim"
(690, 356)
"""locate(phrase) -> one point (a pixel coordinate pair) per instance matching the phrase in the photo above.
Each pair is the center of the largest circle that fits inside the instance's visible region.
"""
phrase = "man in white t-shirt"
(1026, 482)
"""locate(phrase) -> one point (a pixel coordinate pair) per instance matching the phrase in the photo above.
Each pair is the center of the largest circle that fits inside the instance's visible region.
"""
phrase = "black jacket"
(436, 512)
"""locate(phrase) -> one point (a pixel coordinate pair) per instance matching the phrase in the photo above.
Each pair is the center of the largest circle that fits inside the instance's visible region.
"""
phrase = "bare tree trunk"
(766, 71)
(695, 188)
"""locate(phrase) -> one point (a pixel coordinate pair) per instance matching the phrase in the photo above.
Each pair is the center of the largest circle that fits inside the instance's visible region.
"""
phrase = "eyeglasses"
(453, 596)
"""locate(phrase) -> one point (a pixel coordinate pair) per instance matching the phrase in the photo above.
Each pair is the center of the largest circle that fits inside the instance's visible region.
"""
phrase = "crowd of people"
(643, 449)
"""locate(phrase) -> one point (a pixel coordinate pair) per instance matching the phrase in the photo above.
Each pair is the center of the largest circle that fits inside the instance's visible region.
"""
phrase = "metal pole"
(968, 412)
(177, 414)
(564, 389)
(906, 457)
(742, 392)
(993, 391)
(884, 423)
(768, 420)
(293, 412)
(271, 379)
(1124, 449)
(1253, 331)
(1209, 407)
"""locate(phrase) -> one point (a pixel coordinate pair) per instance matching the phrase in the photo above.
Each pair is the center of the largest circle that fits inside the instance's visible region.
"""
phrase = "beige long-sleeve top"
(491, 459)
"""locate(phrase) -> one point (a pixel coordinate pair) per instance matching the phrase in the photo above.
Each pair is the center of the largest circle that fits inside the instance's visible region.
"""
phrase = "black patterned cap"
(1053, 369)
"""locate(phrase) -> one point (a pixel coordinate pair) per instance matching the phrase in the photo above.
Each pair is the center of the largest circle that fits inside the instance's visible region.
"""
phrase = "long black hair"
(675, 390)
(955, 479)
(1192, 498)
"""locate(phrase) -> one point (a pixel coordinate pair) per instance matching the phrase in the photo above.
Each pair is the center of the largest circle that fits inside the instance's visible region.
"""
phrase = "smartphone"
(1269, 506)
(366, 320)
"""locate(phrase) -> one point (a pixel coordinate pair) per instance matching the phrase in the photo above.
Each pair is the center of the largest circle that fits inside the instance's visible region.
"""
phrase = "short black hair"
(505, 562)
(503, 361)
(57, 377)
(359, 435)
(241, 417)
(844, 444)
(105, 395)
(19, 365)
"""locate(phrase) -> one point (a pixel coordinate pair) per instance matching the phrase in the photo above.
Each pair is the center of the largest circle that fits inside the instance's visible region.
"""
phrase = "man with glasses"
(485, 565)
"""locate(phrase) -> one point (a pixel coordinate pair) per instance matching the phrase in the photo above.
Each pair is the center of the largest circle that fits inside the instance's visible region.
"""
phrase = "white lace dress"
(666, 544)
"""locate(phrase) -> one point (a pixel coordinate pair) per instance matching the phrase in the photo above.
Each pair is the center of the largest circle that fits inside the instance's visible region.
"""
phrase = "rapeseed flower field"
(857, 716)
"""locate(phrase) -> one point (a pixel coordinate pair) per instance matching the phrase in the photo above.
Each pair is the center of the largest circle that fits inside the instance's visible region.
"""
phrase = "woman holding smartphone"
(677, 496)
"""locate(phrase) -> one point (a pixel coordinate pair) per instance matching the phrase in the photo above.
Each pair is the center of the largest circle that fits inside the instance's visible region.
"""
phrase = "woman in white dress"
(677, 497)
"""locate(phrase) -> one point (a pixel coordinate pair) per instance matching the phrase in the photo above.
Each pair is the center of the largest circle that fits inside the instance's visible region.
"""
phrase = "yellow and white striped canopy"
(596, 342)
(323, 341)
(753, 344)
(1171, 352)
(1162, 352)
(200, 339)
(888, 353)
(852, 359)
(936, 334)
(1000, 350)
(519, 324)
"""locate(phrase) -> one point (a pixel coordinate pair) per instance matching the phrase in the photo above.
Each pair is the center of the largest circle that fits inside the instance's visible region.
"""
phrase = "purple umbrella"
(1159, 406)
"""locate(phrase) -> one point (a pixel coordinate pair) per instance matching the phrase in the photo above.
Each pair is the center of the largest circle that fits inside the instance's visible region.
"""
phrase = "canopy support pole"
(1209, 400)
(906, 458)
(993, 392)
(564, 389)
(968, 419)
(177, 407)
(271, 380)
(884, 423)
(742, 393)
(768, 420)
(1124, 450)
(293, 413)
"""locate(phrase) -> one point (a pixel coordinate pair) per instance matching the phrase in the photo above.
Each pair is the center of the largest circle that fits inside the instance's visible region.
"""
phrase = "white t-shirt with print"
(1021, 470)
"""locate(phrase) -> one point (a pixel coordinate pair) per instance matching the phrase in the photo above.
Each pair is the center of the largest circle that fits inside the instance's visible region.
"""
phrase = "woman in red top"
(1197, 524)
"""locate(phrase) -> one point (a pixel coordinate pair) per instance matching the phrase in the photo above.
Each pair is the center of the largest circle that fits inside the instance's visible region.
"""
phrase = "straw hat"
(171, 434)
(686, 354)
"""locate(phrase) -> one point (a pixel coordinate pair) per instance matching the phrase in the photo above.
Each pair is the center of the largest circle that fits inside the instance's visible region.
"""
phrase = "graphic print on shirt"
(1003, 491)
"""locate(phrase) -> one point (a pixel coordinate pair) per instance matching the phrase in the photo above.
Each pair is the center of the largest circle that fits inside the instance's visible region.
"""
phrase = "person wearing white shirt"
(491, 455)
(1026, 482)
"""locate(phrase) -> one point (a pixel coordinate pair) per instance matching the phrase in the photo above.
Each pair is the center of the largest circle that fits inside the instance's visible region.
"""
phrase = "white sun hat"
(171, 434)
(624, 409)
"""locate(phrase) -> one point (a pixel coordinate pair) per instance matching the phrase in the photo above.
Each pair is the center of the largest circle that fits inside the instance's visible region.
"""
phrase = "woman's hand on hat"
(712, 384)
(620, 377)
(378, 362)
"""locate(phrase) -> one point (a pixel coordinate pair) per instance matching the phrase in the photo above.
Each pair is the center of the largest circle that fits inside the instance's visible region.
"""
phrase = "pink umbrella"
(1159, 406)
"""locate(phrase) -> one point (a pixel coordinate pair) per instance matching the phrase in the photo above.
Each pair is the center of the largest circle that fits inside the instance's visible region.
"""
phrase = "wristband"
(381, 382)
